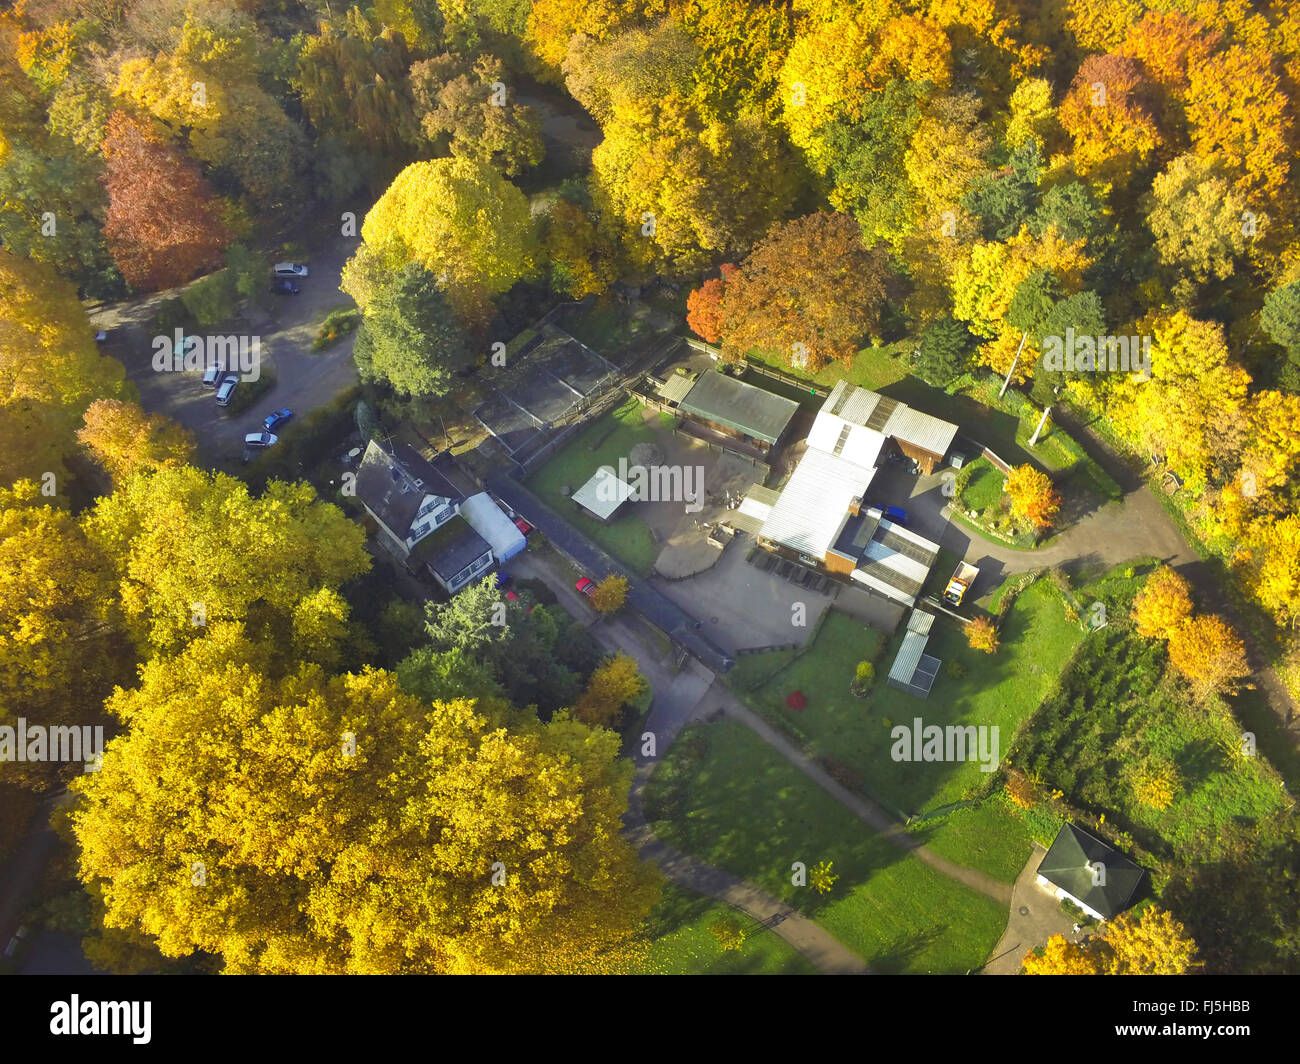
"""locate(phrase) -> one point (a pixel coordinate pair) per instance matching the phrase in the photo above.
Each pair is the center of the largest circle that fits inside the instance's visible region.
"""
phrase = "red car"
(587, 587)
(523, 525)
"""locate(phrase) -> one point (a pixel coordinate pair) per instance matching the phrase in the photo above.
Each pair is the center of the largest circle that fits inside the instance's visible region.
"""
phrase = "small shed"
(603, 494)
(914, 670)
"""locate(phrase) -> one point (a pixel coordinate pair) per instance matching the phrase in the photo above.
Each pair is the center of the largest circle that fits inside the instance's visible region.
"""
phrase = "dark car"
(226, 389)
(898, 516)
(275, 420)
(285, 287)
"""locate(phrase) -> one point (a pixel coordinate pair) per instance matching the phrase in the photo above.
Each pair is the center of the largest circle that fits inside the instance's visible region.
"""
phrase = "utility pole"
(1041, 422)
(1012, 370)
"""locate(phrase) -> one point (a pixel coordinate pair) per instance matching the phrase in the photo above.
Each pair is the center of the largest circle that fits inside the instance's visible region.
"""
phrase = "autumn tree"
(1209, 654)
(123, 438)
(1192, 411)
(681, 189)
(191, 549)
(459, 219)
(1155, 944)
(1196, 217)
(1109, 112)
(580, 255)
(353, 82)
(163, 224)
(822, 877)
(1156, 782)
(1239, 115)
(630, 68)
(1272, 567)
(410, 337)
(1163, 605)
(704, 306)
(472, 106)
(339, 825)
(809, 290)
(610, 594)
(615, 684)
(60, 645)
(51, 370)
(1033, 499)
(982, 634)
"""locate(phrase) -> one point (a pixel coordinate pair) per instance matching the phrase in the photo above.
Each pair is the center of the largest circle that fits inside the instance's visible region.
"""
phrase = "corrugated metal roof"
(909, 657)
(744, 407)
(862, 407)
(921, 430)
(888, 590)
(919, 621)
(815, 502)
(676, 387)
(860, 445)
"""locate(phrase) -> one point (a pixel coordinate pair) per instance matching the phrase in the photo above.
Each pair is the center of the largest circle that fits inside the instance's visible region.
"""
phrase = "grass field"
(983, 488)
(683, 945)
(724, 795)
(999, 690)
(604, 442)
(993, 837)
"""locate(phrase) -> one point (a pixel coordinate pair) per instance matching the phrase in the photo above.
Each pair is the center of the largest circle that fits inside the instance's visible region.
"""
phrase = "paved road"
(1036, 915)
(304, 379)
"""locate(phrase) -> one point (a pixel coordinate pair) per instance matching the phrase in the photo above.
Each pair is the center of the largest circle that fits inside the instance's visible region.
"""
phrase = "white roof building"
(603, 494)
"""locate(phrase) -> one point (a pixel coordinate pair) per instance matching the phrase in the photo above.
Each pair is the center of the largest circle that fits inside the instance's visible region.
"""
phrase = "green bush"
(213, 299)
(863, 677)
(172, 314)
(338, 323)
(248, 392)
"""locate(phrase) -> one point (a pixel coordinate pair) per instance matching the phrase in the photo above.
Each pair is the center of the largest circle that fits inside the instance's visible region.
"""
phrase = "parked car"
(895, 514)
(523, 526)
(290, 269)
(226, 389)
(260, 439)
(284, 287)
(212, 374)
(587, 587)
(101, 335)
(274, 420)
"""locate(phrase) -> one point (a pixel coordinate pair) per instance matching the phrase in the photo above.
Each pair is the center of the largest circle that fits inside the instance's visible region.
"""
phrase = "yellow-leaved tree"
(191, 548)
(335, 824)
(613, 685)
(1155, 944)
(1163, 605)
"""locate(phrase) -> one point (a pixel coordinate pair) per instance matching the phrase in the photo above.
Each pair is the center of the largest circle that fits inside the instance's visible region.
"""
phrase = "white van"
(290, 269)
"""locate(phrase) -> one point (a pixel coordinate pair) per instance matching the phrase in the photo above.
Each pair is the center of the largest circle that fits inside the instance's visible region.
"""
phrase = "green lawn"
(683, 945)
(724, 795)
(604, 442)
(999, 690)
(983, 488)
(993, 837)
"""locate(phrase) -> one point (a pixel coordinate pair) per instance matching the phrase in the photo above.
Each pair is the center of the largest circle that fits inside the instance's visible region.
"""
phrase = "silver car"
(226, 389)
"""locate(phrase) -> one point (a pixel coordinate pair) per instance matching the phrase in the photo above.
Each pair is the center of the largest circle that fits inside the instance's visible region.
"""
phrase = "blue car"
(274, 421)
(893, 513)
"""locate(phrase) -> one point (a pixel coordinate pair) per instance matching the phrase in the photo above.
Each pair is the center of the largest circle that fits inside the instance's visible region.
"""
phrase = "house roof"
(880, 415)
(603, 493)
(392, 486)
(1070, 864)
(451, 548)
(676, 387)
(814, 504)
(743, 407)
